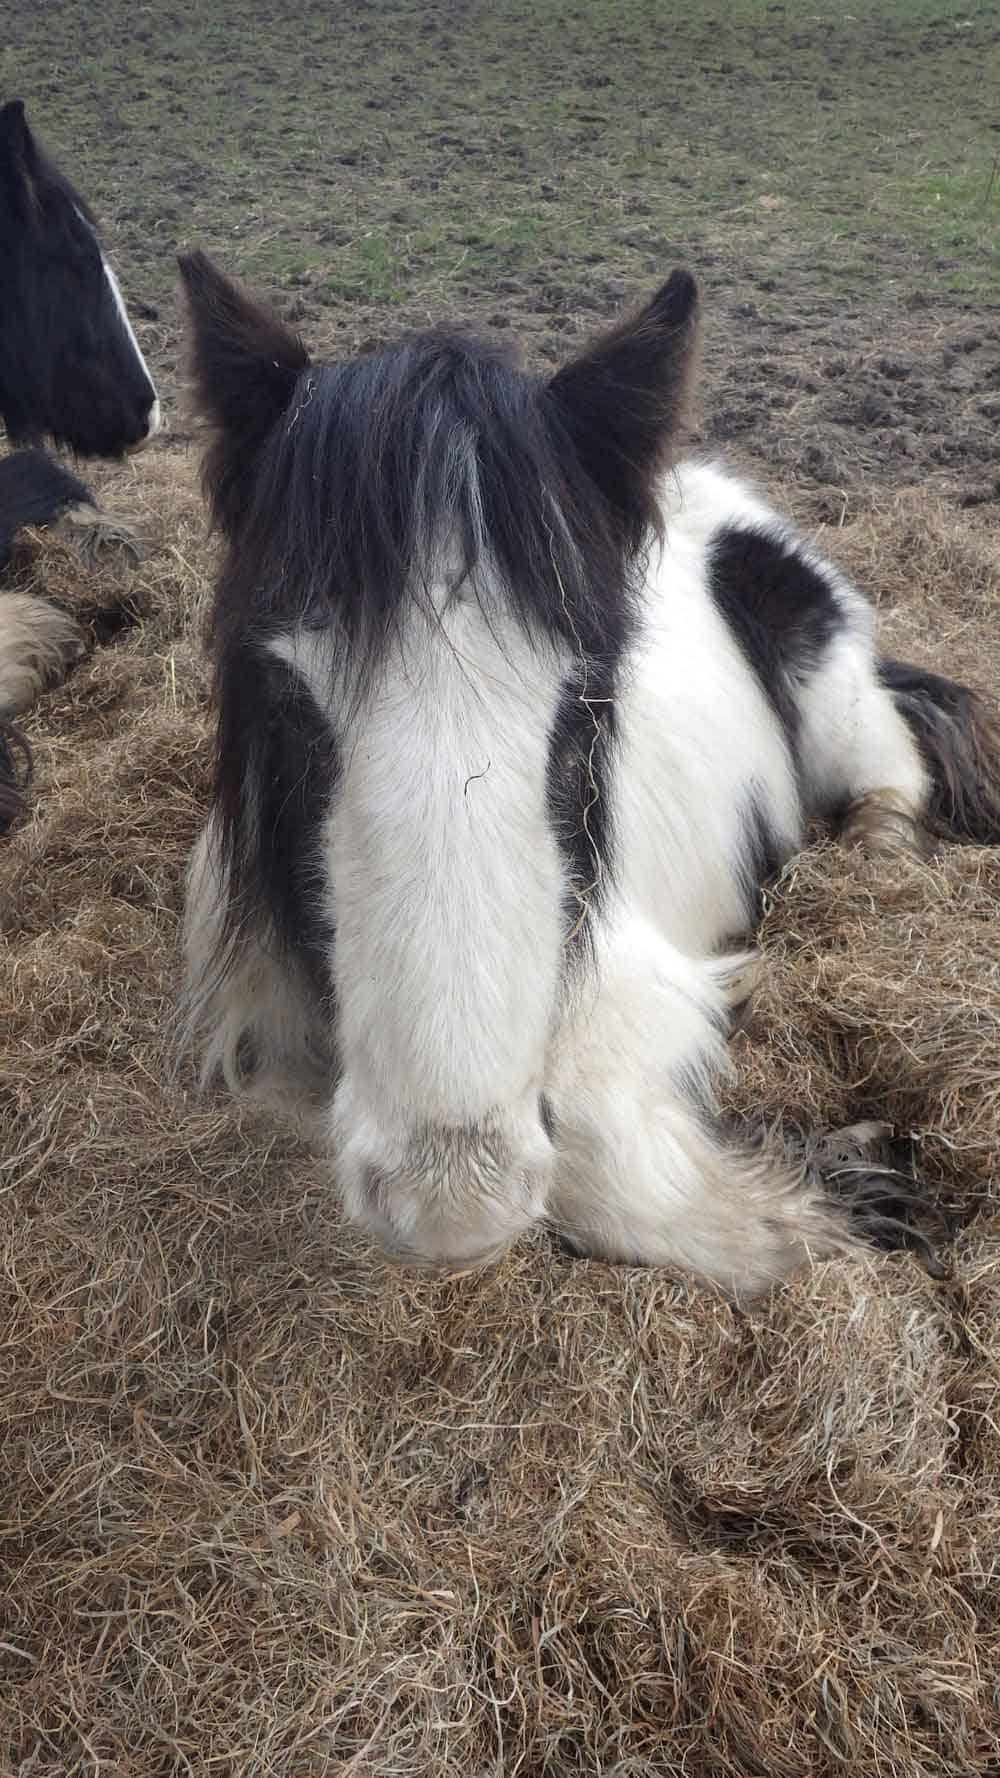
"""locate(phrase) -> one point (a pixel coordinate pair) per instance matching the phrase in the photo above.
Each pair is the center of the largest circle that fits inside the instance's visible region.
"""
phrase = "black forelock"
(378, 459)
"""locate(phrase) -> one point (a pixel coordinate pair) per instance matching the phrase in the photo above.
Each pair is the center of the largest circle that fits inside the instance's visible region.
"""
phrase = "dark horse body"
(71, 371)
(516, 715)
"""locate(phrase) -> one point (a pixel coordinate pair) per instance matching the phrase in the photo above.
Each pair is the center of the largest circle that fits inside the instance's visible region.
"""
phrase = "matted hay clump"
(270, 1507)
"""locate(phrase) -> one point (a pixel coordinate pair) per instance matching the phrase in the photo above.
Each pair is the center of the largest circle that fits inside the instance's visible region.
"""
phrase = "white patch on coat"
(155, 416)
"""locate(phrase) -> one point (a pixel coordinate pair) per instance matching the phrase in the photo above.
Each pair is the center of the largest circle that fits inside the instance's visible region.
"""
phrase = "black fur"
(893, 1212)
(781, 609)
(34, 491)
(958, 734)
(246, 366)
(885, 1203)
(276, 770)
(579, 790)
(337, 483)
(15, 774)
(624, 401)
(763, 853)
(68, 370)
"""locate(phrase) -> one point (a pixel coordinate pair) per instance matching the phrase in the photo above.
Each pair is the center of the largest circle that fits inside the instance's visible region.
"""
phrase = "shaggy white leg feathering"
(38, 643)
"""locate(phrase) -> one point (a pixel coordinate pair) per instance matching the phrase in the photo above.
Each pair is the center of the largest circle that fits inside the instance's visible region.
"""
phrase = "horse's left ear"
(625, 399)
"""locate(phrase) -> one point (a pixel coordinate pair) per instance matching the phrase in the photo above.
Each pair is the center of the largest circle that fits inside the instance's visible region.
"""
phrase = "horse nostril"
(151, 423)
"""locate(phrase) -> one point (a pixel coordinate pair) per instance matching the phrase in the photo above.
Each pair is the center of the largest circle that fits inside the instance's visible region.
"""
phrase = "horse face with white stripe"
(514, 719)
(70, 365)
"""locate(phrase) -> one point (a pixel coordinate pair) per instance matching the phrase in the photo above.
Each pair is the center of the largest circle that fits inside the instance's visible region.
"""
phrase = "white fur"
(446, 887)
(853, 740)
(155, 413)
(445, 876)
(155, 417)
(697, 734)
(641, 1175)
(37, 643)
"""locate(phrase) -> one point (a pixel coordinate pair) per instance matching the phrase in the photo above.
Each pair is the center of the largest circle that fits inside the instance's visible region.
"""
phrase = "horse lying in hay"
(514, 720)
(70, 370)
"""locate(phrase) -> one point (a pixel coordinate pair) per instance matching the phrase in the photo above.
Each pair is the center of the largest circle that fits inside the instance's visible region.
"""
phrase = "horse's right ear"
(246, 364)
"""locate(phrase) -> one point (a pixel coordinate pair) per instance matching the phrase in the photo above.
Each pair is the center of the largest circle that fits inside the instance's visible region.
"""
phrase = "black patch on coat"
(276, 771)
(762, 854)
(781, 610)
(579, 792)
(34, 491)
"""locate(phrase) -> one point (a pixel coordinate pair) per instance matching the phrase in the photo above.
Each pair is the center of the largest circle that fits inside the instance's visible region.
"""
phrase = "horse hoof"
(883, 823)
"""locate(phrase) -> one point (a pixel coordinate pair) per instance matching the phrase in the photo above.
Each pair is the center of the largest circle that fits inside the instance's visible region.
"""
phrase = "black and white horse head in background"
(71, 372)
(70, 366)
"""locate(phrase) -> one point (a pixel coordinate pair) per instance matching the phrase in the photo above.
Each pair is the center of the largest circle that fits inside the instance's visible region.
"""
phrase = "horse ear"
(624, 400)
(246, 364)
(246, 361)
(14, 131)
(18, 154)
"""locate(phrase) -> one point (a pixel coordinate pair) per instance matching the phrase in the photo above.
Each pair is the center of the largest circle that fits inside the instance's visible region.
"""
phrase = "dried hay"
(269, 1507)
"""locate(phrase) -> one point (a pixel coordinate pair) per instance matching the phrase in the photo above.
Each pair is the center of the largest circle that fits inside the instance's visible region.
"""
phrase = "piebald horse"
(516, 713)
(71, 370)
